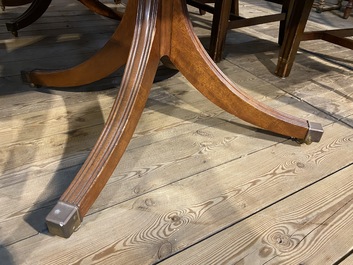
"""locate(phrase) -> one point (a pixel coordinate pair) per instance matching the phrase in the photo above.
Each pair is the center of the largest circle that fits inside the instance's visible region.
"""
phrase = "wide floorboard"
(196, 185)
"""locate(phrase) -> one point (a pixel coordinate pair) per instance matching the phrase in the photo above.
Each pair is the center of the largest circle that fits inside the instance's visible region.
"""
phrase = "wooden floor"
(196, 185)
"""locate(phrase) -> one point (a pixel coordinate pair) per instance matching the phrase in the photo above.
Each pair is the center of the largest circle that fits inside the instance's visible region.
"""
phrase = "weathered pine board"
(76, 122)
(63, 30)
(308, 85)
(310, 227)
(173, 217)
(156, 205)
(347, 260)
(322, 70)
(188, 123)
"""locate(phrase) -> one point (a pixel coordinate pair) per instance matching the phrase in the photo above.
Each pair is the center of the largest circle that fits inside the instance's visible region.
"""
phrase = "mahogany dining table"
(149, 32)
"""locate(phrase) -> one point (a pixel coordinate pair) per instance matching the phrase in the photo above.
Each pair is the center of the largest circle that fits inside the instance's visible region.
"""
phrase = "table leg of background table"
(35, 11)
(107, 60)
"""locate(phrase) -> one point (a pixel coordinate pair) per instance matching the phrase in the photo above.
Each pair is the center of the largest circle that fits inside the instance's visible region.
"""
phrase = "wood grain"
(162, 218)
(300, 234)
(210, 171)
(347, 260)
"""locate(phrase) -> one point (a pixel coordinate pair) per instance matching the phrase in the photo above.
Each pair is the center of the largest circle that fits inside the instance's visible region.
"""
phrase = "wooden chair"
(291, 31)
(226, 16)
(295, 34)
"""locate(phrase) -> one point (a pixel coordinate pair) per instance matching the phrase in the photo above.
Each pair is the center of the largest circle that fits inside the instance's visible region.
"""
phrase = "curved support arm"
(195, 64)
(127, 109)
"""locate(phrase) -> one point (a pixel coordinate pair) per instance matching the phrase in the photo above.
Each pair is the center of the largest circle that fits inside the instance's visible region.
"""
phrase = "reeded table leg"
(162, 30)
(140, 70)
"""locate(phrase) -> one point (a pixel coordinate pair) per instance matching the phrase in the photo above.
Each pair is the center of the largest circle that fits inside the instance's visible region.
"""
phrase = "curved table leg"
(173, 37)
(127, 109)
(101, 9)
(95, 68)
(194, 63)
(348, 9)
(35, 11)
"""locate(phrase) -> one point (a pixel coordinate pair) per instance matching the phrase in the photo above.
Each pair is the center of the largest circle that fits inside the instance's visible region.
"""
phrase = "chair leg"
(322, 7)
(235, 7)
(193, 62)
(110, 58)
(219, 29)
(299, 13)
(282, 25)
(5, 3)
(348, 9)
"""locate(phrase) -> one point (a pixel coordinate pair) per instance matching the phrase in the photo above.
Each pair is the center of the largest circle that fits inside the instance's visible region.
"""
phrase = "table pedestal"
(162, 30)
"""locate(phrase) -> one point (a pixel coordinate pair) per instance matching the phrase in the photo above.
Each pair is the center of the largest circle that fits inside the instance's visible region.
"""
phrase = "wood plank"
(303, 229)
(88, 123)
(347, 260)
(309, 84)
(133, 167)
(86, 130)
(160, 222)
(190, 171)
(168, 123)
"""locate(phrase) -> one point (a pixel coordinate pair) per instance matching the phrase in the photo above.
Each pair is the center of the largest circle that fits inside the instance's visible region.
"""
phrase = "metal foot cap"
(63, 220)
